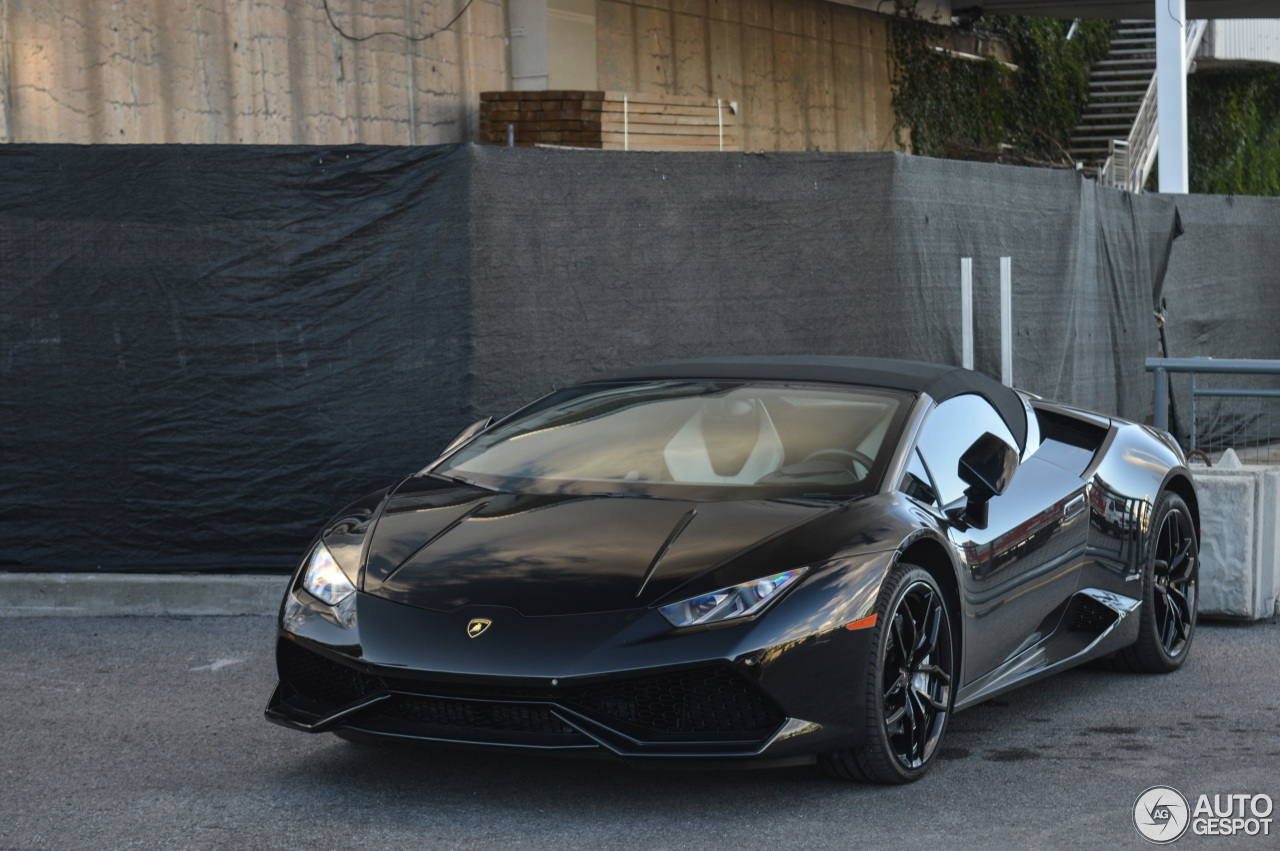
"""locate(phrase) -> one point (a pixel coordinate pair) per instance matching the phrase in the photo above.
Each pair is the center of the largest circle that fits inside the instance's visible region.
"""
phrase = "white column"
(530, 64)
(966, 312)
(1006, 321)
(1171, 93)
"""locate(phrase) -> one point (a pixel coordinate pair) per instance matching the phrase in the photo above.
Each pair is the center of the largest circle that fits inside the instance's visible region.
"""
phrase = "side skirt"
(1091, 623)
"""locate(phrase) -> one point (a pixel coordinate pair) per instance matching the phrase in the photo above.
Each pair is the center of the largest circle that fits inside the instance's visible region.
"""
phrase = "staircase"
(1118, 133)
(1117, 86)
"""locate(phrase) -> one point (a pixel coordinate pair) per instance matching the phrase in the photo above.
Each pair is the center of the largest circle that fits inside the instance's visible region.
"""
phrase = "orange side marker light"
(862, 624)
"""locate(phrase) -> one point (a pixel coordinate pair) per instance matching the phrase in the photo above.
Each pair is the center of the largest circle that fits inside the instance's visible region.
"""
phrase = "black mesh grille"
(711, 701)
(319, 679)
(465, 690)
(447, 712)
(1088, 615)
(701, 701)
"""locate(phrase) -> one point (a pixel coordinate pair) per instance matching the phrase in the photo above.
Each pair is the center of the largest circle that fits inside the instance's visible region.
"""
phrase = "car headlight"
(729, 603)
(324, 580)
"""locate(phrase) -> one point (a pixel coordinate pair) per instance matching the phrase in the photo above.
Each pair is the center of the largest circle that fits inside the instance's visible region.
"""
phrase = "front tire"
(909, 683)
(1170, 592)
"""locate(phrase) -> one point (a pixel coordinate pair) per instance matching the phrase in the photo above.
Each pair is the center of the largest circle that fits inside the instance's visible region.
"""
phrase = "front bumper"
(616, 683)
(700, 711)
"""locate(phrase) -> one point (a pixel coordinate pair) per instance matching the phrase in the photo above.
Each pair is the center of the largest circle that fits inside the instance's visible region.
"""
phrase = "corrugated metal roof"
(1241, 40)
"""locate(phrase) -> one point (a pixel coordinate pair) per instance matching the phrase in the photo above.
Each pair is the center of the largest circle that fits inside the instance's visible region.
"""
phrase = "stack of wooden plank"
(530, 118)
(611, 120)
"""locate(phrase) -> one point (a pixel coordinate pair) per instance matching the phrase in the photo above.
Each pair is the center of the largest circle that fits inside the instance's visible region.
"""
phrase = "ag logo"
(1160, 814)
(479, 625)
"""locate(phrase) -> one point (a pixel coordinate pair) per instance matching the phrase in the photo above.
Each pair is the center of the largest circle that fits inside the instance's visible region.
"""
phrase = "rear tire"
(909, 683)
(1170, 592)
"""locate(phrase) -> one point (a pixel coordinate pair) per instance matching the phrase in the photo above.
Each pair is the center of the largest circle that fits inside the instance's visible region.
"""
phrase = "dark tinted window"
(1066, 441)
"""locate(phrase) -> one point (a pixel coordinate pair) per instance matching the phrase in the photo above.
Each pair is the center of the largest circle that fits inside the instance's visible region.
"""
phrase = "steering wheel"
(848, 457)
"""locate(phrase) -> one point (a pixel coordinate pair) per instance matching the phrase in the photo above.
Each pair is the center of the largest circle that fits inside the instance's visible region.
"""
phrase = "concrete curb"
(138, 594)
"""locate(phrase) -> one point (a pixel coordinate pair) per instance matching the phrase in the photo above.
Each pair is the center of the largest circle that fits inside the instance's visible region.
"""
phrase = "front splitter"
(795, 742)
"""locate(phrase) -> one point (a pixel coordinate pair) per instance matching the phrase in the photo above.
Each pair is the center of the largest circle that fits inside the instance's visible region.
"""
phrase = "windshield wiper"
(632, 495)
(823, 498)
(465, 481)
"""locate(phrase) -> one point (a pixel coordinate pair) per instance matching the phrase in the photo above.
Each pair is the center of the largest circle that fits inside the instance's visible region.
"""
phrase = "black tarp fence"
(1222, 300)
(585, 262)
(205, 351)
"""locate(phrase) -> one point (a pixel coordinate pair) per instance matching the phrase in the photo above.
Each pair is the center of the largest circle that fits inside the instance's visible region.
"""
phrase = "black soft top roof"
(939, 381)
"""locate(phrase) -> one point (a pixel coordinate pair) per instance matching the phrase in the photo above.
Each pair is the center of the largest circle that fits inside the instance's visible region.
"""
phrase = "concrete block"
(1239, 554)
(87, 594)
(1269, 544)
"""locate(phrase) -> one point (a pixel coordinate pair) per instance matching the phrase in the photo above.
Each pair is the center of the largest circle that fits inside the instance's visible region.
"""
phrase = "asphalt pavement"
(148, 733)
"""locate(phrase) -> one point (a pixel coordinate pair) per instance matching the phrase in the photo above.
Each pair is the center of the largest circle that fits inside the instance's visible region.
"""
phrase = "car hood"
(445, 548)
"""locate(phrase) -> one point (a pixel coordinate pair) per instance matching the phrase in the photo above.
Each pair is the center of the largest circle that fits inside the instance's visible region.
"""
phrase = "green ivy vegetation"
(1233, 130)
(949, 105)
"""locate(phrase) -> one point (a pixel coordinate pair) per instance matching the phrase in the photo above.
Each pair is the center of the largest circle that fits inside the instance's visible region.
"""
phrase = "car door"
(1026, 561)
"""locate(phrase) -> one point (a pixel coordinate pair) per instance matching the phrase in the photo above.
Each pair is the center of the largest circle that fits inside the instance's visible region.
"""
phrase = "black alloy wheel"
(1170, 593)
(916, 679)
(909, 688)
(1174, 575)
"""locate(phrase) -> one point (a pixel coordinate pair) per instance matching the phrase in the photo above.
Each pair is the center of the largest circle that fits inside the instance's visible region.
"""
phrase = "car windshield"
(690, 440)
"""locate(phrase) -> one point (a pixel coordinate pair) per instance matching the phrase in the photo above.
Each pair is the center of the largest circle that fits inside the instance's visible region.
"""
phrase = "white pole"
(1006, 321)
(720, 122)
(966, 310)
(1171, 94)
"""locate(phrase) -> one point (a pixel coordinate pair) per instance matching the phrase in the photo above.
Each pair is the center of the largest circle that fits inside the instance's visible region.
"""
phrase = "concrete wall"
(246, 71)
(807, 75)
(1239, 555)
(529, 48)
(571, 40)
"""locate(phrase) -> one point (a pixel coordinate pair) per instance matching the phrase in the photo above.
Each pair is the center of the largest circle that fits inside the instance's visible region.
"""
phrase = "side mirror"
(466, 434)
(986, 467)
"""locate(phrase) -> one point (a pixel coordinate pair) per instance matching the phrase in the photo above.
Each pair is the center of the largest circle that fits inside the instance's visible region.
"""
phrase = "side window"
(916, 483)
(1068, 442)
(952, 428)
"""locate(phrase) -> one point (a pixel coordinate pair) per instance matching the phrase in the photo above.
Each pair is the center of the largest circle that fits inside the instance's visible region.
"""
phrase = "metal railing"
(1252, 430)
(1130, 160)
